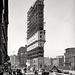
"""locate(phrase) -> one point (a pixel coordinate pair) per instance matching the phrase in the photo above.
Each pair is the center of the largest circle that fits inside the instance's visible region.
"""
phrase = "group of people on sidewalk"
(18, 72)
(12, 72)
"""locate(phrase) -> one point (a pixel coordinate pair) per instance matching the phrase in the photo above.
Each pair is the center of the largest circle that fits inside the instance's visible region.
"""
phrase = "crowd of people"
(11, 72)
(19, 72)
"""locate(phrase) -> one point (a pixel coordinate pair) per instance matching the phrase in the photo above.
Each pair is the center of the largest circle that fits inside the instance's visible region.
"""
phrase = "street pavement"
(32, 73)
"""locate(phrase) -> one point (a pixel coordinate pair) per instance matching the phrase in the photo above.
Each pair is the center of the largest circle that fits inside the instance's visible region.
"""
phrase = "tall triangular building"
(36, 35)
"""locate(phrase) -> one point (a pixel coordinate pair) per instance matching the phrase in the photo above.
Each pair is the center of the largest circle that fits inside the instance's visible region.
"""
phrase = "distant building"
(22, 56)
(47, 61)
(58, 62)
(3, 31)
(70, 58)
(35, 35)
(55, 62)
(51, 61)
(14, 61)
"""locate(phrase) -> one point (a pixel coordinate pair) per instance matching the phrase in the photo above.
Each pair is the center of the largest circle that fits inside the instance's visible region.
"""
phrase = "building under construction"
(35, 35)
(3, 31)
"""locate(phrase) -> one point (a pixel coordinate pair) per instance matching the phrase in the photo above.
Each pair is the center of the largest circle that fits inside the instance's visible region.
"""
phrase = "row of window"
(35, 37)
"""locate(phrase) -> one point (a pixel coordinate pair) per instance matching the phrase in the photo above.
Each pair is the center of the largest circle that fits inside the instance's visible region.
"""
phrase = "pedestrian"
(35, 73)
(25, 69)
(10, 72)
(19, 72)
(1, 73)
(14, 73)
(43, 71)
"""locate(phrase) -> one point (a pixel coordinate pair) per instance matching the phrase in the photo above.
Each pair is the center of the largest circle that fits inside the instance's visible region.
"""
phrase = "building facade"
(58, 62)
(35, 35)
(3, 31)
(14, 61)
(47, 61)
(70, 58)
(22, 56)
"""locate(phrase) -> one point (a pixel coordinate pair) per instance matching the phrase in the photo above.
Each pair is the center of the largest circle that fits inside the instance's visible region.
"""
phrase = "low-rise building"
(47, 61)
(58, 61)
(70, 58)
(22, 56)
(14, 61)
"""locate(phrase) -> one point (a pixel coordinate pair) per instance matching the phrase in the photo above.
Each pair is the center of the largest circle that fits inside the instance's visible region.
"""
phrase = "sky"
(60, 25)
